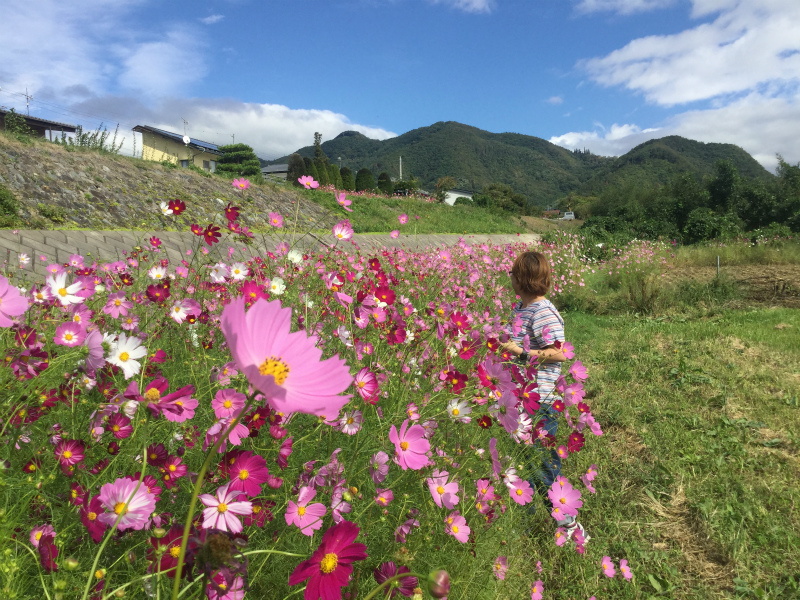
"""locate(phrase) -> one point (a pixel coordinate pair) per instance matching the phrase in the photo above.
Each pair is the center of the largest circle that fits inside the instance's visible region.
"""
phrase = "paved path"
(112, 245)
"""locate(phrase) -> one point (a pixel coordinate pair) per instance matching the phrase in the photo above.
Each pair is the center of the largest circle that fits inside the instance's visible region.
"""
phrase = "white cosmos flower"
(166, 209)
(24, 259)
(239, 271)
(295, 256)
(62, 292)
(157, 272)
(125, 353)
(459, 410)
(277, 286)
(219, 272)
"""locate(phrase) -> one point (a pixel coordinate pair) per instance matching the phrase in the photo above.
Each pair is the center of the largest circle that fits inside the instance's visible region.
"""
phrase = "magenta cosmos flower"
(329, 568)
(241, 184)
(403, 219)
(344, 202)
(342, 230)
(308, 517)
(223, 508)
(443, 493)
(69, 334)
(69, 452)
(12, 304)
(285, 366)
(248, 472)
(129, 501)
(404, 585)
(410, 445)
(228, 403)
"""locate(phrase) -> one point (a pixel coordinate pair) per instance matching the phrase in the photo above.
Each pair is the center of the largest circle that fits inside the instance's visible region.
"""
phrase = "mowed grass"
(699, 475)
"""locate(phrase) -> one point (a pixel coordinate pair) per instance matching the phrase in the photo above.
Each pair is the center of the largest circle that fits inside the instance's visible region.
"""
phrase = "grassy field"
(699, 473)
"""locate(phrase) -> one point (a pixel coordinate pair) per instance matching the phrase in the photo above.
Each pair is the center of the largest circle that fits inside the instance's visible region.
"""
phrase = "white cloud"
(749, 45)
(555, 100)
(470, 6)
(625, 7)
(211, 19)
(763, 126)
(163, 67)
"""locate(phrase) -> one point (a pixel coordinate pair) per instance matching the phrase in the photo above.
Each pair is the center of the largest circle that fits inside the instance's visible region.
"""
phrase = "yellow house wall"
(157, 148)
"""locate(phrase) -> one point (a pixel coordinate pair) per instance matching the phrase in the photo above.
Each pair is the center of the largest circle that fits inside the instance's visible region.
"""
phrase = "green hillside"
(534, 167)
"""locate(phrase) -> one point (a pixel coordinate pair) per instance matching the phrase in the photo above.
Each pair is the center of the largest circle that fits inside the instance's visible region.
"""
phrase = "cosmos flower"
(223, 508)
(411, 446)
(125, 353)
(127, 500)
(241, 184)
(308, 182)
(308, 517)
(65, 294)
(12, 303)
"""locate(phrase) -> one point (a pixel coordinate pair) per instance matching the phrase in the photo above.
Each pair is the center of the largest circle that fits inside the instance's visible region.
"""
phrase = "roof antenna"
(28, 99)
(185, 123)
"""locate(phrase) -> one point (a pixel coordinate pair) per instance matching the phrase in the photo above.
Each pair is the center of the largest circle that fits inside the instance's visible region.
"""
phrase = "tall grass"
(740, 252)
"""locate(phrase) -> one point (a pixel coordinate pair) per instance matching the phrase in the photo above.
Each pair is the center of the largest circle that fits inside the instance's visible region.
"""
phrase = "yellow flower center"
(177, 309)
(404, 445)
(519, 492)
(62, 292)
(440, 490)
(91, 516)
(152, 395)
(455, 412)
(275, 367)
(124, 356)
(243, 474)
(68, 337)
(117, 302)
(175, 551)
(350, 421)
(67, 454)
(172, 468)
(301, 510)
(153, 456)
(38, 535)
(455, 528)
(329, 563)
(563, 500)
(222, 507)
(227, 404)
(120, 508)
(115, 428)
(256, 509)
(361, 384)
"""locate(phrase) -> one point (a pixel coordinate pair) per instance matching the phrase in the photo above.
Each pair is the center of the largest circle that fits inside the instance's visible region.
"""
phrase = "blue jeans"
(547, 464)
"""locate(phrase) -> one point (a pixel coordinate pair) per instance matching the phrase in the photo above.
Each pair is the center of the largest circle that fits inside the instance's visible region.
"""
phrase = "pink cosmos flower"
(608, 567)
(537, 591)
(241, 184)
(394, 234)
(183, 308)
(176, 407)
(578, 371)
(69, 334)
(128, 500)
(342, 230)
(276, 220)
(626, 571)
(411, 446)
(308, 182)
(117, 304)
(285, 366)
(403, 530)
(588, 483)
(521, 492)
(69, 452)
(561, 536)
(248, 472)
(456, 525)
(500, 567)
(228, 403)
(350, 422)
(565, 498)
(403, 586)
(444, 493)
(403, 219)
(308, 517)
(378, 467)
(344, 202)
(40, 531)
(219, 428)
(223, 508)
(12, 303)
(384, 497)
(591, 472)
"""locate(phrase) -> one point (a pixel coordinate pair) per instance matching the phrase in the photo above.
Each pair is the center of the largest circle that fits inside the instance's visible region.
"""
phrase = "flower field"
(324, 424)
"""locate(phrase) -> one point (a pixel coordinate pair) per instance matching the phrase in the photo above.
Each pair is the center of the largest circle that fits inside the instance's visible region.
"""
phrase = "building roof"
(44, 123)
(176, 137)
(461, 192)
(275, 169)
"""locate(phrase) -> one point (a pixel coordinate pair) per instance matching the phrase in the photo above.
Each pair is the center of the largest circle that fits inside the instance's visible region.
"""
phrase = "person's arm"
(550, 354)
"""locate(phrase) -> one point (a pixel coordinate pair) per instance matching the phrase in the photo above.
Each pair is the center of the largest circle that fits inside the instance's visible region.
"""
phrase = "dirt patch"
(704, 558)
(538, 225)
(625, 443)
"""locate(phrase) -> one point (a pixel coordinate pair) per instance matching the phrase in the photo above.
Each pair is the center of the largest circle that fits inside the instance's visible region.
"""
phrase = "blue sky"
(601, 74)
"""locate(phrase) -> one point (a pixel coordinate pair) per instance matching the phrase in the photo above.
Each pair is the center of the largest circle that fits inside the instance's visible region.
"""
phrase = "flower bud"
(71, 563)
(131, 557)
(347, 495)
(159, 532)
(439, 584)
(59, 584)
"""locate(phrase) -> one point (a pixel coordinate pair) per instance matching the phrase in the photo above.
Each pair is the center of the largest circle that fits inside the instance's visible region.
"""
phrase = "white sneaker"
(571, 529)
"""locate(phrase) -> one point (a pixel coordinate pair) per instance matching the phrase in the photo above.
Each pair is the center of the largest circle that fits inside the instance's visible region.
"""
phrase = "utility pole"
(401, 168)
(233, 138)
(28, 99)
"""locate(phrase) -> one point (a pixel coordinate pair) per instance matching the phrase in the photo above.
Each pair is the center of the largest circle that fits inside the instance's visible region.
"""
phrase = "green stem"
(196, 492)
(38, 568)
(391, 580)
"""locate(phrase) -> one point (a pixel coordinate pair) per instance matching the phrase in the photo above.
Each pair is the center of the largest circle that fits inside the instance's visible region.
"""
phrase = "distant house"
(551, 214)
(275, 171)
(450, 197)
(160, 145)
(40, 127)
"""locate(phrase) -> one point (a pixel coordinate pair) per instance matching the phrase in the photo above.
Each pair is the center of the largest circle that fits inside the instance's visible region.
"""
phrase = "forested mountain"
(534, 167)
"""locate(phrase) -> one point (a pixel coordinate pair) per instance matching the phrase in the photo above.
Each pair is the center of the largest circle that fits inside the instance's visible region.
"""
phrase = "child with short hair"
(538, 319)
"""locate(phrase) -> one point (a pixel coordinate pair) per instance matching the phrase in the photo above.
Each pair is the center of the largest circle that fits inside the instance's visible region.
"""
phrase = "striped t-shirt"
(543, 324)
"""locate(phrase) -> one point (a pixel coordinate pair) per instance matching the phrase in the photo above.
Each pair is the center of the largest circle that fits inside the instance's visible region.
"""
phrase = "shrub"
(55, 213)
(9, 208)
(462, 201)
(642, 290)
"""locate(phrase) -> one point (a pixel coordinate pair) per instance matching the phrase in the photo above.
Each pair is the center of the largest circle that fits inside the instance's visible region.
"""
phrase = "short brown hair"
(532, 271)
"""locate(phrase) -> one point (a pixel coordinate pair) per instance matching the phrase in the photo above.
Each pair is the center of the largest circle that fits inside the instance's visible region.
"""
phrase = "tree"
(385, 183)
(364, 180)
(322, 171)
(311, 169)
(348, 182)
(238, 160)
(444, 185)
(297, 168)
(335, 176)
(723, 189)
(318, 153)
